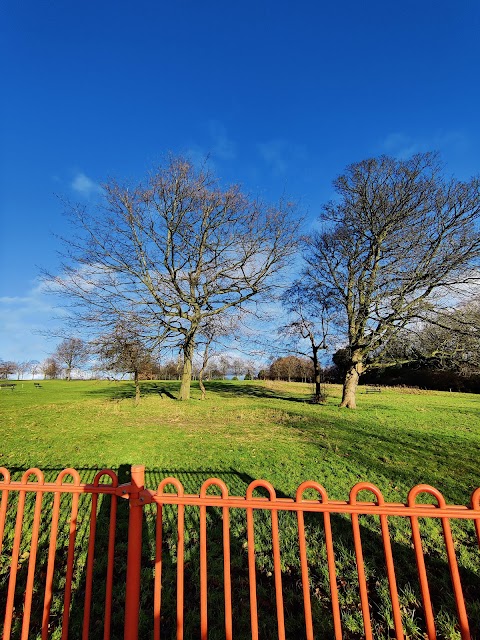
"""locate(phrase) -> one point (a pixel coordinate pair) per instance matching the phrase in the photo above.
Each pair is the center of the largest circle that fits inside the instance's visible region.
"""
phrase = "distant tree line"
(289, 369)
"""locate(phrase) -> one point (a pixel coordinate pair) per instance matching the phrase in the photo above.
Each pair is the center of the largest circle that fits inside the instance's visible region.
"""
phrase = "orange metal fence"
(56, 534)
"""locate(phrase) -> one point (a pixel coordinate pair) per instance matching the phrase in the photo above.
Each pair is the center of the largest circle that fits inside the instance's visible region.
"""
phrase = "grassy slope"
(251, 429)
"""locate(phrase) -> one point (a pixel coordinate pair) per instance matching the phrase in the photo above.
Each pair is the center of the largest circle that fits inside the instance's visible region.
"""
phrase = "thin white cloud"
(84, 185)
(219, 147)
(21, 318)
(401, 145)
(222, 146)
(280, 155)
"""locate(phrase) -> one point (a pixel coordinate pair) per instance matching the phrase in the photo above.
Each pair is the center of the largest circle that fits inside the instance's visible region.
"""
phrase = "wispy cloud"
(279, 154)
(217, 148)
(222, 146)
(84, 185)
(402, 146)
(21, 318)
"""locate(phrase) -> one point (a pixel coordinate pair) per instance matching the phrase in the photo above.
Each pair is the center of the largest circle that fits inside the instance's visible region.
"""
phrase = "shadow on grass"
(167, 388)
(123, 390)
(237, 482)
(405, 456)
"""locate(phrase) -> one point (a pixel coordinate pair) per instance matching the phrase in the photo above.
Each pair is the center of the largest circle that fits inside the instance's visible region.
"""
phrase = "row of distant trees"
(120, 356)
(180, 262)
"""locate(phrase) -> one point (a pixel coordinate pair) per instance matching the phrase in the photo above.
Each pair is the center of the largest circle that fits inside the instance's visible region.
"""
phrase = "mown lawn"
(248, 430)
(395, 439)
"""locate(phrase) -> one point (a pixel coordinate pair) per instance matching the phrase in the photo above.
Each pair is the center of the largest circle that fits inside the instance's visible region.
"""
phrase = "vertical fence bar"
(111, 558)
(337, 623)
(7, 625)
(252, 580)
(47, 603)
(89, 569)
(203, 574)
(307, 605)
(31, 566)
(422, 575)
(475, 506)
(362, 580)
(180, 551)
(3, 507)
(420, 560)
(71, 551)
(457, 586)
(387, 550)
(180, 569)
(134, 554)
(157, 594)
(392, 582)
(13, 567)
(278, 575)
(227, 583)
(337, 619)
(226, 573)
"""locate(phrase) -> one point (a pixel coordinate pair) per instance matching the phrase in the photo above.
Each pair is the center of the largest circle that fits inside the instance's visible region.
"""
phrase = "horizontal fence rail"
(108, 558)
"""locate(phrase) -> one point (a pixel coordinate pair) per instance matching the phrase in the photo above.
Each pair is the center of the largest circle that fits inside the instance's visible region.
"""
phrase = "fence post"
(134, 553)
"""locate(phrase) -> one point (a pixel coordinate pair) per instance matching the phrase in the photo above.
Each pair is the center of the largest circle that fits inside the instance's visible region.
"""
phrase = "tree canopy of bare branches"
(397, 241)
(166, 255)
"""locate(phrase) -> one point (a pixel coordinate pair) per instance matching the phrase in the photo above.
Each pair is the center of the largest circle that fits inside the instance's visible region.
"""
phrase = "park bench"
(373, 389)
(7, 385)
(37, 385)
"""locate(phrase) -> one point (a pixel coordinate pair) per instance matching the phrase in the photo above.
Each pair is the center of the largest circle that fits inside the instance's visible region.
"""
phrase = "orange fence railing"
(78, 562)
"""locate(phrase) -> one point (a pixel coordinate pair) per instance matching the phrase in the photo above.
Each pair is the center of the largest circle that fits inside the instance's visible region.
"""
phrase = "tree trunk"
(187, 370)
(202, 370)
(201, 385)
(316, 369)
(69, 374)
(137, 388)
(351, 383)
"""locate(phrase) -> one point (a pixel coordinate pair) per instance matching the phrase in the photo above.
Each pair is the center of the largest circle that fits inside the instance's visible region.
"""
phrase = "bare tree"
(34, 367)
(450, 341)
(122, 351)
(166, 255)
(397, 240)
(73, 353)
(291, 368)
(21, 368)
(211, 333)
(7, 368)
(50, 368)
(313, 317)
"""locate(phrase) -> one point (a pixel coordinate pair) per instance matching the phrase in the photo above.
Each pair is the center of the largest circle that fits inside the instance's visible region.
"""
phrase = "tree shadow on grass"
(167, 389)
(124, 390)
(404, 456)
(252, 390)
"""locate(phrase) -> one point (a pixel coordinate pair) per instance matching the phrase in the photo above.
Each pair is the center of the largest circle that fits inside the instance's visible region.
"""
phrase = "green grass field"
(395, 439)
(243, 431)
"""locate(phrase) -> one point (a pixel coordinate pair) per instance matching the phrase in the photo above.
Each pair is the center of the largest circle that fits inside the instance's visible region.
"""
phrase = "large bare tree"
(166, 255)
(398, 239)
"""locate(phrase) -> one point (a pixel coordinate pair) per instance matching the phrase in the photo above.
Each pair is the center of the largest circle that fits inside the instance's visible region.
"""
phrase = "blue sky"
(282, 95)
